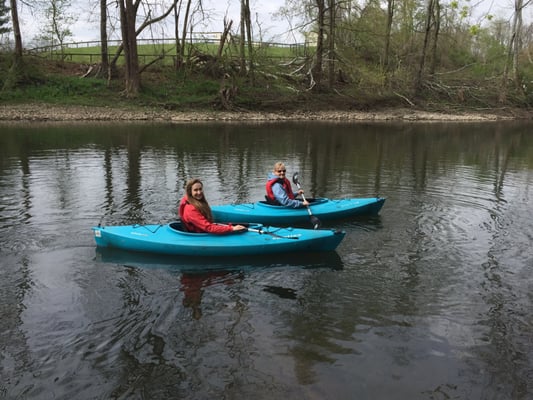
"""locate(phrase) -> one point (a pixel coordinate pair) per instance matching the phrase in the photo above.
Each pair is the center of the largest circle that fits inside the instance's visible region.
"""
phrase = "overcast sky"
(86, 27)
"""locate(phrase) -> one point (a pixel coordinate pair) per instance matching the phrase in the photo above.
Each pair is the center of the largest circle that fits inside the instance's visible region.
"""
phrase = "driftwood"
(227, 94)
(405, 98)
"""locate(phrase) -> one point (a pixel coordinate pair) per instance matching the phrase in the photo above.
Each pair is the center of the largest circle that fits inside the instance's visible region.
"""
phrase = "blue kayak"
(258, 239)
(322, 208)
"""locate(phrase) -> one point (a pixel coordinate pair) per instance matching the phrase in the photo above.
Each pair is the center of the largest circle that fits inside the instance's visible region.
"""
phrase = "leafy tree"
(58, 21)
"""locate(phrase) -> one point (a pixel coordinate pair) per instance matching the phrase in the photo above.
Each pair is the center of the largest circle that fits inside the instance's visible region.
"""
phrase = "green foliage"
(475, 29)
(16, 73)
(164, 86)
(62, 90)
(361, 35)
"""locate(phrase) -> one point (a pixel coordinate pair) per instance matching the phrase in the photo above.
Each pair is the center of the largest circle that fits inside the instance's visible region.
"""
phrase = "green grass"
(149, 52)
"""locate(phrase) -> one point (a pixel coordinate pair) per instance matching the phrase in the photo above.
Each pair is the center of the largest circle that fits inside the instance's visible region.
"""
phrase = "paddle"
(314, 220)
(262, 232)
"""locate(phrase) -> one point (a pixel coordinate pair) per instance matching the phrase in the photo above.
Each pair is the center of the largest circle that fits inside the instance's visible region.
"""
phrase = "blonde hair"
(200, 205)
(278, 165)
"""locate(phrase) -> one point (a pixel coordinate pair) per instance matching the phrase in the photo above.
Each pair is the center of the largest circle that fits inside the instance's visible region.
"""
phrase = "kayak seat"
(276, 203)
(178, 226)
(268, 201)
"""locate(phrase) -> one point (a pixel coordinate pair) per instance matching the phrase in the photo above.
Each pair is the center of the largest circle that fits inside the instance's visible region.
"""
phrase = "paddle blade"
(295, 178)
(316, 222)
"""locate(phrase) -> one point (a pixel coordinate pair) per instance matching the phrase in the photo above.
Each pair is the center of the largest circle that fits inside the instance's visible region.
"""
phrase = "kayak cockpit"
(312, 201)
(177, 226)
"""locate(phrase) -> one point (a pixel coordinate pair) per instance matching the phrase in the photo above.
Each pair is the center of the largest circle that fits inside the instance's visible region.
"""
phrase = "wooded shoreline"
(46, 112)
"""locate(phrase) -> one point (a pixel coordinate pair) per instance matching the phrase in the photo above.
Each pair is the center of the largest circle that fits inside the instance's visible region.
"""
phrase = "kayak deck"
(258, 239)
(322, 208)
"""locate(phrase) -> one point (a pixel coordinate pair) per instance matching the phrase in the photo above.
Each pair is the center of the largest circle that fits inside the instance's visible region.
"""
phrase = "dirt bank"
(38, 112)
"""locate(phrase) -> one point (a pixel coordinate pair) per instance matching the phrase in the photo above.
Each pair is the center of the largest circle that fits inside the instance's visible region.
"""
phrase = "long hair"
(200, 205)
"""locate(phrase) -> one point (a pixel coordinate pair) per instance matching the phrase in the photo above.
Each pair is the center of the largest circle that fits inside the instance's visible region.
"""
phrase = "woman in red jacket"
(195, 212)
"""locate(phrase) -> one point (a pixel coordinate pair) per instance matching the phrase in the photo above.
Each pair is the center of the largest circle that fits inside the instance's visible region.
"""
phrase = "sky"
(86, 27)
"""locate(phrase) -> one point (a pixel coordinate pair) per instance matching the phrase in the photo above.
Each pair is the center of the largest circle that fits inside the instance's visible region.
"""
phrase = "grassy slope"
(61, 83)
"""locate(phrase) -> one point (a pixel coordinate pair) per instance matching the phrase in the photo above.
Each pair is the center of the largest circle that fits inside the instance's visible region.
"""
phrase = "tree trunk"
(434, 43)
(388, 29)
(179, 55)
(184, 31)
(16, 31)
(128, 15)
(104, 71)
(242, 55)
(17, 71)
(517, 27)
(317, 68)
(427, 30)
(250, 40)
(223, 38)
(331, 44)
(512, 52)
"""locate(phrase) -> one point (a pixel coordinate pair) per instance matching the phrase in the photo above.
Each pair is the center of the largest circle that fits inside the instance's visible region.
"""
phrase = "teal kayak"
(322, 208)
(258, 239)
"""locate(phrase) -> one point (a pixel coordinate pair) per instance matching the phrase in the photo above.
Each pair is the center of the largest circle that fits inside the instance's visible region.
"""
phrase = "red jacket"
(194, 221)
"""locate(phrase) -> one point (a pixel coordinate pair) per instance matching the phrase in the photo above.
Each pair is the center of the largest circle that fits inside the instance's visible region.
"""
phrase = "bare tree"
(16, 31)
(242, 41)
(318, 68)
(128, 17)
(513, 49)
(104, 55)
(388, 29)
(179, 56)
(184, 31)
(17, 67)
(246, 37)
(331, 42)
(434, 42)
(430, 12)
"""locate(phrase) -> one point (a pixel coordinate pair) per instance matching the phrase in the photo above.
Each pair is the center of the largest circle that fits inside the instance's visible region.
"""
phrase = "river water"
(432, 299)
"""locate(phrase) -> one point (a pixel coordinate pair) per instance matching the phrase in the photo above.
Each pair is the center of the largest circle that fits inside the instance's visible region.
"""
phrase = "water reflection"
(193, 286)
(199, 264)
(429, 299)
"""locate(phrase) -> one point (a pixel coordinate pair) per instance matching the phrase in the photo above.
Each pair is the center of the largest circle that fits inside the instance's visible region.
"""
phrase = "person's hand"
(238, 228)
(305, 203)
(300, 191)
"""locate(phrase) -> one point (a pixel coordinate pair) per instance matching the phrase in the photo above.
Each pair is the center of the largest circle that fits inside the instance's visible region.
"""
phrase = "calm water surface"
(432, 299)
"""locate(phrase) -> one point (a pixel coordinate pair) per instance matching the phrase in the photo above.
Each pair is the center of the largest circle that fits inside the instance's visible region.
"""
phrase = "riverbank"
(46, 112)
